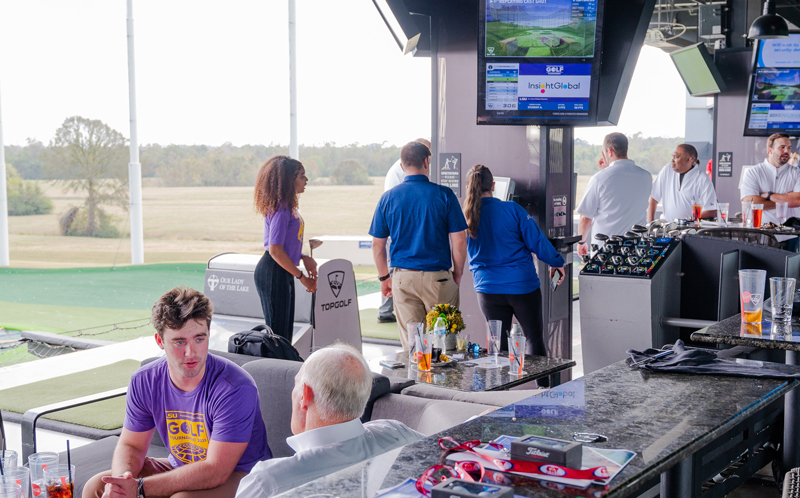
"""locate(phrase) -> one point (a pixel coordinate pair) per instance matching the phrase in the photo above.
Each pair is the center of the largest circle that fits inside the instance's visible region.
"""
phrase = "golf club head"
(585, 258)
(617, 260)
(633, 260)
(595, 247)
(601, 236)
(630, 235)
(638, 229)
(673, 233)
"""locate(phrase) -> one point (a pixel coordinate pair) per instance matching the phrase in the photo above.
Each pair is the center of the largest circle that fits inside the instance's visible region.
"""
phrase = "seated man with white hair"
(330, 393)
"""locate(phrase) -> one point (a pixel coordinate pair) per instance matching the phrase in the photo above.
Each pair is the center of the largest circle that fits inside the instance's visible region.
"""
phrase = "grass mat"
(126, 287)
(105, 415)
(371, 328)
(50, 318)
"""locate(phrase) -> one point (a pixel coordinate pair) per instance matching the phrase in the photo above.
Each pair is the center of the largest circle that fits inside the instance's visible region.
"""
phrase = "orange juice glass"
(751, 294)
(424, 350)
(696, 210)
(758, 210)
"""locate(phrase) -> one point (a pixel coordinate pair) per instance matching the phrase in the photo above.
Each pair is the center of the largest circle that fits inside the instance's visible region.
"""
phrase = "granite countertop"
(662, 417)
(473, 378)
(767, 334)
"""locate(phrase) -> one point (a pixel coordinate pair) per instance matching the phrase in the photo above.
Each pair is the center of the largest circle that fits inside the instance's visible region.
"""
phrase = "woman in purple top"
(279, 181)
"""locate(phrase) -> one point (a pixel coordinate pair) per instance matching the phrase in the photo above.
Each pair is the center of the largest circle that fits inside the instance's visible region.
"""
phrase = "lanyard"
(523, 466)
(460, 470)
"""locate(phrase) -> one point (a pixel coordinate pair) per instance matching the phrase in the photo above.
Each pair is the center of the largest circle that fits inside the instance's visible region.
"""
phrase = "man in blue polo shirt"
(427, 226)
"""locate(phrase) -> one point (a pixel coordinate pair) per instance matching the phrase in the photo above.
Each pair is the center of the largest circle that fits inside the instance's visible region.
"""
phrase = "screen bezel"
(485, 117)
(749, 132)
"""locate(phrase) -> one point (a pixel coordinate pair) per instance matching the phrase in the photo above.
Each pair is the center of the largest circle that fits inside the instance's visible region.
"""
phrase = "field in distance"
(189, 225)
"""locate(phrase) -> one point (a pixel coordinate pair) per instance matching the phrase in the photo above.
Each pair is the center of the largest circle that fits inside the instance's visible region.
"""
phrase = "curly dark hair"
(177, 306)
(275, 185)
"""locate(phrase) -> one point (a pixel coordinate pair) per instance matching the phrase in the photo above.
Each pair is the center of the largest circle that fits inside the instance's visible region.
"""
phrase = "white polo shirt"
(677, 197)
(394, 176)
(765, 177)
(616, 198)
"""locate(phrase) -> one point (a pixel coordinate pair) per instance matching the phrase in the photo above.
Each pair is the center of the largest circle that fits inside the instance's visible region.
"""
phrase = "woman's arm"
(279, 255)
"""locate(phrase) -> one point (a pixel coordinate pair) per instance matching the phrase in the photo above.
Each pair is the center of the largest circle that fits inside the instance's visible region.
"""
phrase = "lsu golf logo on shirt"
(188, 437)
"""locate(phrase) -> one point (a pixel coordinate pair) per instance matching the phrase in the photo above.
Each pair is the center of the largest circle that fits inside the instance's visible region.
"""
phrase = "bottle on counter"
(439, 331)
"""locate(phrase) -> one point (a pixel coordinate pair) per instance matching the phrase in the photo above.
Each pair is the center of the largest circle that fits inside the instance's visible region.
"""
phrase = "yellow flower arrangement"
(451, 314)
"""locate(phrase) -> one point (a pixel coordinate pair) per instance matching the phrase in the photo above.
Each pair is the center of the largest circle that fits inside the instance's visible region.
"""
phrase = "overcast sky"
(214, 72)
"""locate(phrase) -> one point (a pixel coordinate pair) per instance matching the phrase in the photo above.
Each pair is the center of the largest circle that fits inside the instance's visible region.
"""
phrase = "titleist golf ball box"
(545, 449)
(459, 488)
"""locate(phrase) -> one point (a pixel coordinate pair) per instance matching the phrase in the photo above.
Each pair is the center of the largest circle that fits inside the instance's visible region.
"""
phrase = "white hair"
(341, 381)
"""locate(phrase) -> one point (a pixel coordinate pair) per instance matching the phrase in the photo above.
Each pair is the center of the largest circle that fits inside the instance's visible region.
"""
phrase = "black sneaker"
(387, 319)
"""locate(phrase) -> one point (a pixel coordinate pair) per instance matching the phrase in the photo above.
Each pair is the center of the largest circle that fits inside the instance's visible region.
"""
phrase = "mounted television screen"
(774, 94)
(538, 62)
(698, 71)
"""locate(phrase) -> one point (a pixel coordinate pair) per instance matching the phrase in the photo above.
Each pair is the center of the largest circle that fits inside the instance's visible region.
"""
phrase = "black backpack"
(262, 341)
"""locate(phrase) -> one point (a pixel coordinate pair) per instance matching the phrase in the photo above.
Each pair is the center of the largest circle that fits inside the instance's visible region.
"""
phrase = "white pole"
(4, 258)
(134, 168)
(294, 150)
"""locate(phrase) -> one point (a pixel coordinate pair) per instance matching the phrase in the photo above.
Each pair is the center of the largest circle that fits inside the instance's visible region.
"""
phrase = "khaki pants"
(94, 487)
(416, 292)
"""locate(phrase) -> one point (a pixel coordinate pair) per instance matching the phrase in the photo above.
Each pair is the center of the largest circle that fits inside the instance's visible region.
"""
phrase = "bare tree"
(88, 156)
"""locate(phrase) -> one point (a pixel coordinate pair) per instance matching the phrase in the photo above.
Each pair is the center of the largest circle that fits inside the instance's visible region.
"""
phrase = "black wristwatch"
(385, 277)
(140, 489)
(769, 194)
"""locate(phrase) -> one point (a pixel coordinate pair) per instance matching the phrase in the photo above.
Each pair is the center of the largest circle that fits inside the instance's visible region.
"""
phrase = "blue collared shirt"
(500, 256)
(419, 216)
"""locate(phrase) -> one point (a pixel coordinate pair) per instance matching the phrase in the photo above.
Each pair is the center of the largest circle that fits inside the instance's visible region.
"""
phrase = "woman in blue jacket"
(501, 238)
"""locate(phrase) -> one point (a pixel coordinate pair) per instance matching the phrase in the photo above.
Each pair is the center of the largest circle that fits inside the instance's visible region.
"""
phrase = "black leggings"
(528, 310)
(275, 287)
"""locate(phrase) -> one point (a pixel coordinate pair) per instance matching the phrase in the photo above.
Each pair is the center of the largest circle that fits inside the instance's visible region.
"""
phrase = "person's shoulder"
(392, 429)
(151, 370)
(224, 370)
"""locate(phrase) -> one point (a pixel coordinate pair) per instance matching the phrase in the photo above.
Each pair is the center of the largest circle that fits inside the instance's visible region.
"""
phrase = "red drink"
(696, 210)
(757, 217)
(59, 489)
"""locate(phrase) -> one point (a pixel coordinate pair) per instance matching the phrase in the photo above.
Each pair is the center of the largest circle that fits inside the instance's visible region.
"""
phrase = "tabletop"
(766, 334)
(473, 374)
(662, 417)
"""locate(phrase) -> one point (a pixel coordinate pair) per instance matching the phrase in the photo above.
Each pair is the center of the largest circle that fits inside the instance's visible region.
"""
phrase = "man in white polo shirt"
(616, 197)
(680, 184)
(774, 180)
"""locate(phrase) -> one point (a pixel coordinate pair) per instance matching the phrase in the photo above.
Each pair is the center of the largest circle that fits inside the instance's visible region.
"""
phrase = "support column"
(134, 168)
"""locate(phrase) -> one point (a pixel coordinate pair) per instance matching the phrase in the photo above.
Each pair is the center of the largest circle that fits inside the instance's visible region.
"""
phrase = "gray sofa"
(275, 381)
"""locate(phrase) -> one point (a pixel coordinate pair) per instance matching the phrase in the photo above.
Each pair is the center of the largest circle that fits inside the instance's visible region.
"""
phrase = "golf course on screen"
(553, 28)
(778, 85)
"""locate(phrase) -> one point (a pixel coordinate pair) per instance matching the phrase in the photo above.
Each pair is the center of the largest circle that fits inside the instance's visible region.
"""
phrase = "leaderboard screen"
(774, 100)
(537, 61)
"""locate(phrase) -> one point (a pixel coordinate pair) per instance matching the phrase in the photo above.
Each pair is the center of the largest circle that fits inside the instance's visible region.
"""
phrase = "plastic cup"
(782, 292)
(37, 463)
(411, 330)
(424, 352)
(462, 339)
(9, 458)
(493, 330)
(722, 211)
(516, 354)
(751, 294)
(747, 214)
(18, 475)
(782, 211)
(781, 332)
(59, 480)
(696, 210)
(10, 490)
(758, 210)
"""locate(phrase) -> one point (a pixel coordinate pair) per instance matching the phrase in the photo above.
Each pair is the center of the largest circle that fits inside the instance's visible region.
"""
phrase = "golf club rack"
(627, 283)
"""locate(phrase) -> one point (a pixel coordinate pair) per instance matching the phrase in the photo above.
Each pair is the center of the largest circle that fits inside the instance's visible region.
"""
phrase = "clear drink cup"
(747, 214)
(493, 330)
(424, 352)
(782, 294)
(18, 475)
(758, 211)
(782, 211)
(751, 294)
(9, 458)
(37, 463)
(59, 480)
(10, 490)
(516, 354)
(412, 329)
(722, 211)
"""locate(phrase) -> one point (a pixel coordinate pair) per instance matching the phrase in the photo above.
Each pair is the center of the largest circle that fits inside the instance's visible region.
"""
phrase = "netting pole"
(4, 255)
(134, 168)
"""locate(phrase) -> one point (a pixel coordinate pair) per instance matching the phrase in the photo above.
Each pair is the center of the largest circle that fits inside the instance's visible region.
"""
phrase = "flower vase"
(450, 342)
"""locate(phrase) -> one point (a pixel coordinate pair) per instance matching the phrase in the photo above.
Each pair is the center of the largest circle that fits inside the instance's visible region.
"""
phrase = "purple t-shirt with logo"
(285, 228)
(224, 407)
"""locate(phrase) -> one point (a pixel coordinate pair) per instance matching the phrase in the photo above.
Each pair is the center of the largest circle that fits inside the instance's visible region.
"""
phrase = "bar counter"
(671, 421)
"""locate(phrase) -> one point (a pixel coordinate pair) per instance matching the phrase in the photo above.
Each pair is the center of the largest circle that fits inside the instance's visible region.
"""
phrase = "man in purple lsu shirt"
(205, 408)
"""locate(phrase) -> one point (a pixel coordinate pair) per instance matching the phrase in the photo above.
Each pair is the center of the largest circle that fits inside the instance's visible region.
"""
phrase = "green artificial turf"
(123, 288)
(371, 328)
(107, 415)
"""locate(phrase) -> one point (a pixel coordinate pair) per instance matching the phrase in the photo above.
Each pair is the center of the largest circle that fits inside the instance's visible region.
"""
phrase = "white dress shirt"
(677, 197)
(616, 199)
(394, 176)
(765, 177)
(323, 451)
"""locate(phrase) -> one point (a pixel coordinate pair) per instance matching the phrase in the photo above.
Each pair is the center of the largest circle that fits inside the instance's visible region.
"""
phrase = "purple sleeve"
(278, 228)
(137, 417)
(234, 414)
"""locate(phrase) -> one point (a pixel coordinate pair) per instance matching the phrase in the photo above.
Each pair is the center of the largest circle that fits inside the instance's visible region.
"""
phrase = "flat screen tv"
(774, 93)
(539, 61)
(698, 71)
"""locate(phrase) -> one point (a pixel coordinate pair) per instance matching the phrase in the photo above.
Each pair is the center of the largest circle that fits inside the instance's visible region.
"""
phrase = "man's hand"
(553, 272)
(386, 287)
(582, 250)
(124, 486)
(457, 279)
(601, 163)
